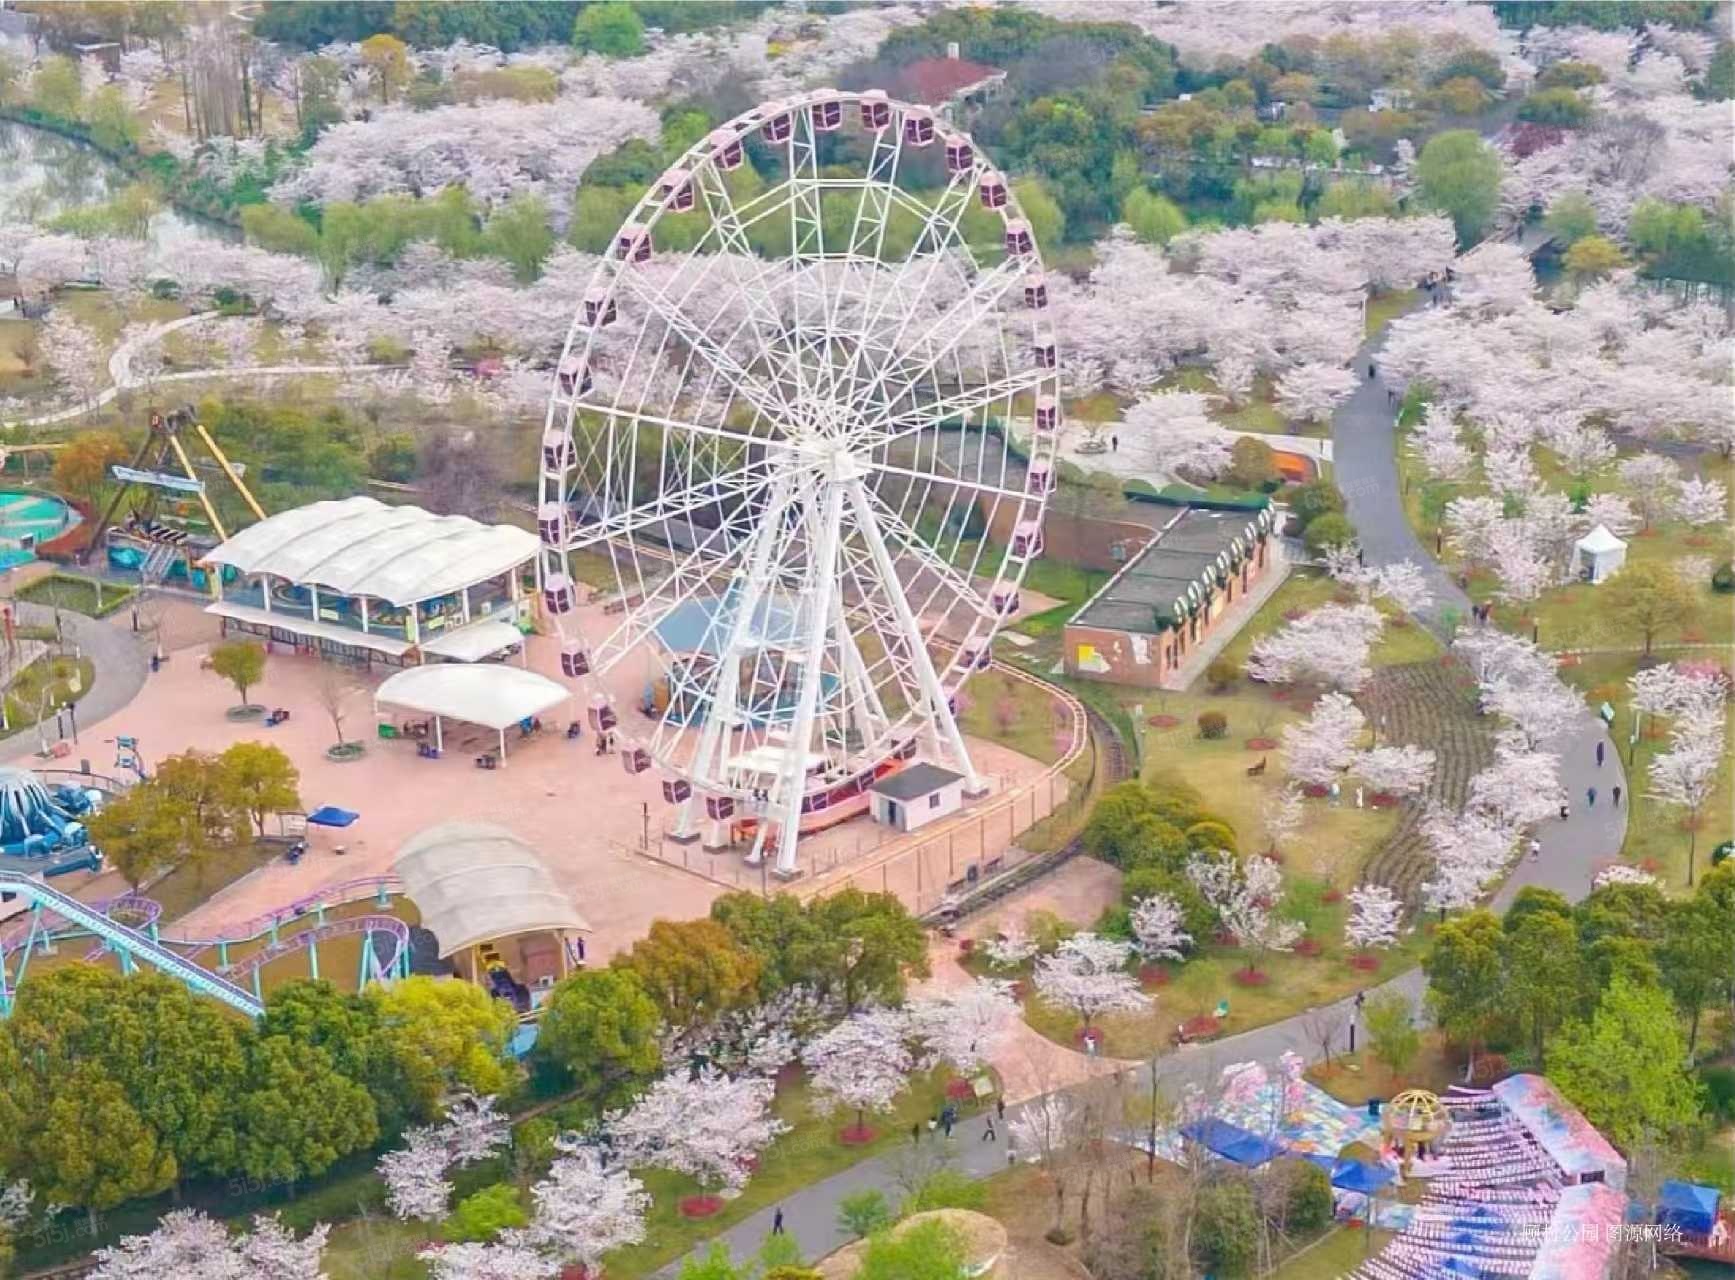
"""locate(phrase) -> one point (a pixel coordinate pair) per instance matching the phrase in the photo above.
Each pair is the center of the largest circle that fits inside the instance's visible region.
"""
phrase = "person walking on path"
(1590, 797)
(916, 1133)
(1563, 811)
(988, 1134)
(1617, 797)
(1599, 750)
(777, 1222)
(1535, 849)
(1000, 1107)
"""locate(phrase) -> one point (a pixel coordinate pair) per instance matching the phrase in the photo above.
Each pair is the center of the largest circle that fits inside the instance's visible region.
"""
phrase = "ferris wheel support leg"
(940, 717)
(713, 735)
(822, 578)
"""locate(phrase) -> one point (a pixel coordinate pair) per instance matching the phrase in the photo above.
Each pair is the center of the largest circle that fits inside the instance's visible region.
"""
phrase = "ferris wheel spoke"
(940, 340)
(768, 400)
(767, 327)
(960, 404)
(949, 480)
(923, 560)
(671, 508)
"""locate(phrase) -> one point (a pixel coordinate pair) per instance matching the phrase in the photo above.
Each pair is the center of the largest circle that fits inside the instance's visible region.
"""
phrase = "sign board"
(1607, 713)
(157, 479)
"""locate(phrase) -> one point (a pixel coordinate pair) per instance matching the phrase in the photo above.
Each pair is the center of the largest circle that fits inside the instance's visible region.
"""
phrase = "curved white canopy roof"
(1599, 540)
(361, 547)
(473, 881)
(485, 693)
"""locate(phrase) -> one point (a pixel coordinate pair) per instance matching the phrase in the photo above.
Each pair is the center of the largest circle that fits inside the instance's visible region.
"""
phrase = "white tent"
(485, 693)
(1598, 554)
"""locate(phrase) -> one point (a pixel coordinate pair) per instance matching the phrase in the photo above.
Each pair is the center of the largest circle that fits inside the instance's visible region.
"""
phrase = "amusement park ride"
(808, 435)
(163, 532)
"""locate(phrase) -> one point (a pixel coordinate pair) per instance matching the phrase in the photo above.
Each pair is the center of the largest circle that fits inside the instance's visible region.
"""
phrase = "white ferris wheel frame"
(835, 415)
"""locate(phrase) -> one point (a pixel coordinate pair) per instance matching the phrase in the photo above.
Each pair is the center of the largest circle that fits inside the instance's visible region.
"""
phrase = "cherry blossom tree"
(1396, 771)
(1613, 512)
(1309, 392)
(584, 1211)
(708, 1126)
(1685, 776)
(189, 1246)
(1519, 789)
(1701, 502)
(1470, 851)
(862, 1063)
(1583, 450)
(1374, 915)
(506, 1260)
(964, 1027)
(1510, 472)
(1174, 426)
(1246, 895)
(415, 1177)
(1524, 571)
(1322, 746)
(75, 355)
(1438, 444)
(1330, 644)
(1283, 812)
(1653, 481)
(1623, 873)
(1471, 525)
(473, 1130)
(1157, 924)
(1087, 974)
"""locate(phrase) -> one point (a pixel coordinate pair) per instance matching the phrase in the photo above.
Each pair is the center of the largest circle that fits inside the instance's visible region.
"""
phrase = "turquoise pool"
(27, 519)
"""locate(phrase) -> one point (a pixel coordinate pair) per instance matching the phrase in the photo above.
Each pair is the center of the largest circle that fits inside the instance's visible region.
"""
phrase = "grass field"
(54, 676)
(79, 595)
(1016, 714)
(1336, 1254)
(1383, 308)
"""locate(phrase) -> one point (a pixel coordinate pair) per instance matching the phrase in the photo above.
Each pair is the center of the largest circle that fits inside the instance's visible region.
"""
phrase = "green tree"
(1571, 217)
(346, 1027)
(1252, 463)
(298, 1115)
(1330, 530)
(1592, 257)
(280, 230)
(1542, 970)
(520, 233)
(946, 1189)
(143, 831)
(1315, 498)
(602, 1028)
(1626, 1067)
(1568, 74)
(1648, 602)
(56, 89)
(1459, 175)
(1392, 1033)
(260, 780)
(1155, 219)
(597, 214)
(91, 1148)
(693, 969)
(781, 931)
(861, 1213)
(926, 1250)
(610, 28)
(445, 1036)
(873, 942)
(113, 126)
(1047, 219)
(1226, 1227)
(484, 1215)
(1465, 979)
(388, 63)
(1355, 198)
(1555, 106)
(1694, 957)
(241, 663)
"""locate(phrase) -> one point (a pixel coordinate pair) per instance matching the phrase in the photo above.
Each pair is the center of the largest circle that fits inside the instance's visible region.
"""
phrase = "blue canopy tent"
(1352, 1175)
(1232, 1142)
(1689, 1206)
(329, 815)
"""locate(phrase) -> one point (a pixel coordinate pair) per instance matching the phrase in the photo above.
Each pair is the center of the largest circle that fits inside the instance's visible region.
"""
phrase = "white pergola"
(487, 694)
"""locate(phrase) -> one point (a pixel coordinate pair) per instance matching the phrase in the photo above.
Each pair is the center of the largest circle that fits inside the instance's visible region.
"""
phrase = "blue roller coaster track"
(131, 945)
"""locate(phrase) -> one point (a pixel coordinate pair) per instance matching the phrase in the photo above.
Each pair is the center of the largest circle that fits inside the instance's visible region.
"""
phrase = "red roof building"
(941, 82)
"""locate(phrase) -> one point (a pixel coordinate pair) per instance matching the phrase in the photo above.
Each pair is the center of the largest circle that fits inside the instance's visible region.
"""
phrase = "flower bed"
(1201, 1027)
(1154, 975)
(1251, 978)
(1365, 962)
(1163, 722)
(1308, 947)
(1261, 744)
(700, 1206)
(1331, 895)
(856, 1135)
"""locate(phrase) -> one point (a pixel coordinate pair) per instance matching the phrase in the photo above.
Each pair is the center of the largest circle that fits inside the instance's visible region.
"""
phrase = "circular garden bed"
(700, 1206)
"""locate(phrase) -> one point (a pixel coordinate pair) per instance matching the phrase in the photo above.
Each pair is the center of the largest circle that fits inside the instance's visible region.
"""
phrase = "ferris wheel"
(808, 411)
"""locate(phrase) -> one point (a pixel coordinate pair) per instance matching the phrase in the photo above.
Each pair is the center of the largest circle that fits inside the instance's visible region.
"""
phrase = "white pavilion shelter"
(490, 694)
(1598, 555)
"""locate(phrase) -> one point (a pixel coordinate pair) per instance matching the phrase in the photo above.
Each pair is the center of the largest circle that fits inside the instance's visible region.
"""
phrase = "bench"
(1255, 770)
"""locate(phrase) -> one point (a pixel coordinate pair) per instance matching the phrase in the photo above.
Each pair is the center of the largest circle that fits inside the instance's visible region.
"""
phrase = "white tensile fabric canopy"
(1599, 554)
(474, 882)
(484, 693)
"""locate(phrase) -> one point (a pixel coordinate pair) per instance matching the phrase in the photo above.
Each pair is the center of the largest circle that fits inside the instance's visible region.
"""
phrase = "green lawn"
(55, 676)
(1337, 1254)
(79, 595)
(1383, 308)
(1016, 714)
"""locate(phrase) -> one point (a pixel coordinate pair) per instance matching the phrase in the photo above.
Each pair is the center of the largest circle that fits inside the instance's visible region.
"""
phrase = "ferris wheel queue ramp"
(124, 938)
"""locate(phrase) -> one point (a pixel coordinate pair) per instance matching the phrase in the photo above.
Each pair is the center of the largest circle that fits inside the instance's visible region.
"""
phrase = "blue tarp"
(1689, 1206)
(1232, 1142)
(329, 815)
(1352, 1175)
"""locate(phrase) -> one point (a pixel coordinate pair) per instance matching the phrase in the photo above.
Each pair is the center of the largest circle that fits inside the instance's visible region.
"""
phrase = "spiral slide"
(53, 917)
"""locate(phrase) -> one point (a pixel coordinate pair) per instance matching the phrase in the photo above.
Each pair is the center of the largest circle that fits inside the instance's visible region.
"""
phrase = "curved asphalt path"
(122, 663)
(1363, 437)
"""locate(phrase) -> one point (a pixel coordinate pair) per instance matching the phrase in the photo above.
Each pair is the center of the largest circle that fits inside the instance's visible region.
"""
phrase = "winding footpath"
(1364, 444)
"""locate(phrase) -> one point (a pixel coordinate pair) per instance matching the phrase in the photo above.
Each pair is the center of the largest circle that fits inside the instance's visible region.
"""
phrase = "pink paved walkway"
(580, 811)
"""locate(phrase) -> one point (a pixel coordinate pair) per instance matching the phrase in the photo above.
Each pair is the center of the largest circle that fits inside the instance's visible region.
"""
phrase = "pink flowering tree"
(1652, 481)
(710, 1127)
(1158, 925)
(1374, 916)
(1247, 896)
(1329, 645)
(861, 1064)
(1009, 948)
(501, 1260)
(1701, 502)
(1087, 975)
(1310, 392)
(1395, 771)
(963, 1028)
(1320, 748)
(189, 1246)
(584, 1211)
(1470, 851)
